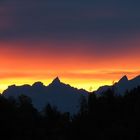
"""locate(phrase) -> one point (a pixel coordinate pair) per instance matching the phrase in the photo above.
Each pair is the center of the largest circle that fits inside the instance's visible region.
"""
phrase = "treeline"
(99, 118)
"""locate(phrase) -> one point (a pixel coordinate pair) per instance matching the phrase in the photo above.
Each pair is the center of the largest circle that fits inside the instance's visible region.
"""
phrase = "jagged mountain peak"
(124, 79)
(122, 85)
(59, 94)
(56, 81)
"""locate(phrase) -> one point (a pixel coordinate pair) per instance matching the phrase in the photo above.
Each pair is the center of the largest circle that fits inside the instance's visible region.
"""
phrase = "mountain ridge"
(65, 97)
(57, 93)
(121, 86)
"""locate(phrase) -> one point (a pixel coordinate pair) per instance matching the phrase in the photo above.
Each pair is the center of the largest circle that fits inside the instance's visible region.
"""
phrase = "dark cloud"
(83, 19)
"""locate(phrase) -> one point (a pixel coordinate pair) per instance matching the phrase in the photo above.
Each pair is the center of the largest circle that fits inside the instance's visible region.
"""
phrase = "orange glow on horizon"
(25, 63)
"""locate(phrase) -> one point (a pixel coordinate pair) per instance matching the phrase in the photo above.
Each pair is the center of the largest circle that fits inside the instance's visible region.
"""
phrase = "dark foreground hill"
(106, 117)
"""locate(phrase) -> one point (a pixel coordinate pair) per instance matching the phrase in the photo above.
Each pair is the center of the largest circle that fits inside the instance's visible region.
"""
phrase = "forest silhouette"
(106, 117)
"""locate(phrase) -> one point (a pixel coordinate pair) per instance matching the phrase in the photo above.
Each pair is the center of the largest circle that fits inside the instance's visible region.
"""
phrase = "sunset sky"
(87, 43)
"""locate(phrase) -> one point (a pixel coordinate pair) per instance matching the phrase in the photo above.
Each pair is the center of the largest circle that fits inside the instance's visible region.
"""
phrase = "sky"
(87, 43)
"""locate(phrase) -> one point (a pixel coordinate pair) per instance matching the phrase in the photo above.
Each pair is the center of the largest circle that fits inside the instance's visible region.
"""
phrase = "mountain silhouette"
(63, 96)
(121, 86)
(123, 80)
(56, 81)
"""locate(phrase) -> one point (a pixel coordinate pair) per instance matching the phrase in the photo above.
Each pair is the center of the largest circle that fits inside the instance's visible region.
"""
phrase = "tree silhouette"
(105, 117)
(25, 106)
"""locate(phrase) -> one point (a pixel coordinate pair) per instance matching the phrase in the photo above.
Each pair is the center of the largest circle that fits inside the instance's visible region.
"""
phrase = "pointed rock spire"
(56, 81)
(124, 79)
